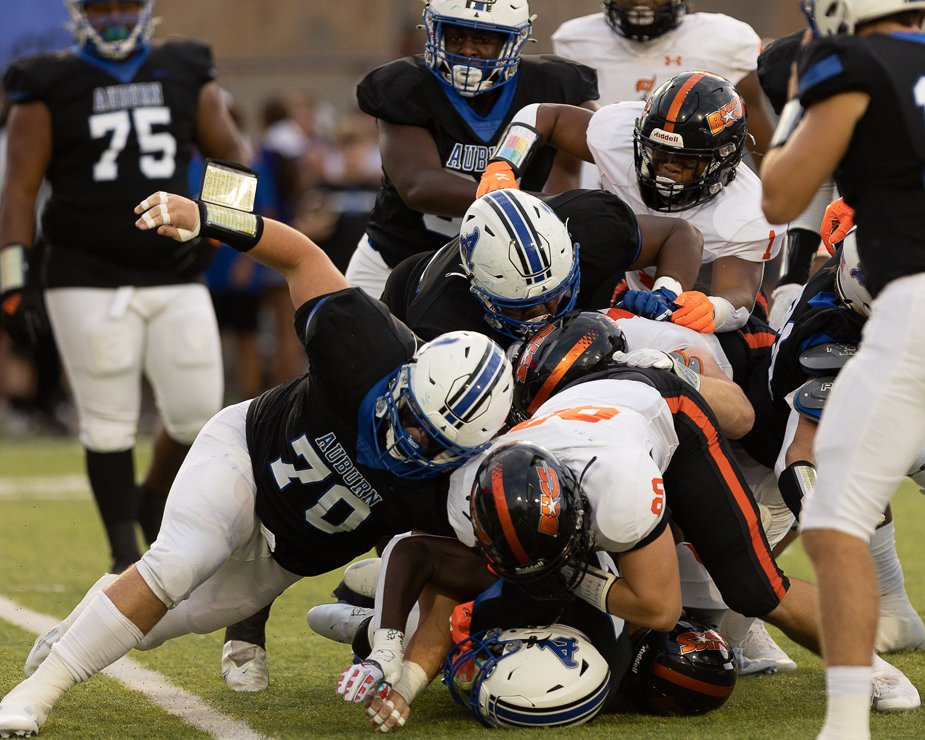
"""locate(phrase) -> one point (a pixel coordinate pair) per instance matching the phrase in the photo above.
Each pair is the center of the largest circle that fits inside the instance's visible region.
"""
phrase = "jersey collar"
(124, 70)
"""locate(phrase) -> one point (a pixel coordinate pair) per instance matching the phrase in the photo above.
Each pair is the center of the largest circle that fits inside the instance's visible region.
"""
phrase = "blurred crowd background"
(289, 69)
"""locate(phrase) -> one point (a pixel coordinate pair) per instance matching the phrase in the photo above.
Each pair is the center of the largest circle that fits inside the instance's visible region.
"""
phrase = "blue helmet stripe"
(534, 262)
(470, 396)
(523, 716)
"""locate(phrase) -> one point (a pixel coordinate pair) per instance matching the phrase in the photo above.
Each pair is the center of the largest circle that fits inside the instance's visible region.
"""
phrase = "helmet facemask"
(471, 76)
(116, 35)
(642, 22)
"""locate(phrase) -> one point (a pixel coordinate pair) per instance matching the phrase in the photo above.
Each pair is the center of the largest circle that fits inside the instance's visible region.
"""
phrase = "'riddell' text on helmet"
(509, 21)
(689, 141)
(641, 21)
(518, 255)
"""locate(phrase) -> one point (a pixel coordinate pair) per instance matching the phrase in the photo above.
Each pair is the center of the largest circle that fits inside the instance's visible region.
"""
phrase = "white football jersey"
(732, 223)
(642, 333)
(631, 70)
(625, 427)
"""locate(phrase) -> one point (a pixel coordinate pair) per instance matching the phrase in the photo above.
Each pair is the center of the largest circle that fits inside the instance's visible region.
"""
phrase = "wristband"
(518, 145)
(790, 116)
(796, 482)
(595, 587)
(238, 229)
(725, 316)
(13, 267)
(669, 283)
(687, 374)
(412, 682)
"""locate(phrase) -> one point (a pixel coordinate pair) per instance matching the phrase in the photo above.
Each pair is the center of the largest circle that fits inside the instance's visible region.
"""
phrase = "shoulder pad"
(397, 92)
(564, 80)
(195, 56)
(826, 359)
(30, 78)
(774, 67)
(810, 397)
(832, 65)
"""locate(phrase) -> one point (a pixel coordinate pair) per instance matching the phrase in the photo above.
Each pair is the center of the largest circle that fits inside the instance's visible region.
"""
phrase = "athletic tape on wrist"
(412, 682)
(13, 268)
(517, 147)
(665, 281)
(238, 229)
(790, 117)
(725, 316)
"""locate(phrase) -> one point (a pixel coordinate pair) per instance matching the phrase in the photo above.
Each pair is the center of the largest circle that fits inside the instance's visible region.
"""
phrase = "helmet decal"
(549, 500)
(534, 264)
(725, 116)
(671, 118)
(504, 516)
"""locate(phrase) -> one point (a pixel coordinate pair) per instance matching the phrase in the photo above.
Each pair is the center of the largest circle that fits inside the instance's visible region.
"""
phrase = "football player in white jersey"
(680, 152)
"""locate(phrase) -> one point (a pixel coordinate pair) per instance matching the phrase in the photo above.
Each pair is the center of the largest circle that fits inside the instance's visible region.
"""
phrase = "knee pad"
(168, 575)
(776, 517)
(698, 591)
(107, 435)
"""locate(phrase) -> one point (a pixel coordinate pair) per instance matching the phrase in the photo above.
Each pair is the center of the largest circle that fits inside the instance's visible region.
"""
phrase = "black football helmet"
(642, 22)
(690, 670)
(578, 343)
(694, 122)
(529, 518)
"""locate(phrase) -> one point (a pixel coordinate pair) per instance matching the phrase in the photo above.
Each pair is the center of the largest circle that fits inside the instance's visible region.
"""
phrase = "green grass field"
(52, 548)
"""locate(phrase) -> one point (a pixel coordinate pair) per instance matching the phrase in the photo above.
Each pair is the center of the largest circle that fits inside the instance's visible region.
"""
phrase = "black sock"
(349, 596)
(112, 479)
(253, 629)
(150, 512)
(361, 646)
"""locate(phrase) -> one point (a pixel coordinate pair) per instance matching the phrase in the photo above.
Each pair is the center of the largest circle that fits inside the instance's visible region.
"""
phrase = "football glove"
(695, 311)
(378, 672)
(22, 305)
(594, 587)
(657, 305)
(670, 361)
(836, 223)
(497, 176)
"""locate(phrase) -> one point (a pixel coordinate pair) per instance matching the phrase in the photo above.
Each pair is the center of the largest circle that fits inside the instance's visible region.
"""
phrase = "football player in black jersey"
(440, 114)
(861, 89)
(518, 261)
(106, 123)
(294, 483)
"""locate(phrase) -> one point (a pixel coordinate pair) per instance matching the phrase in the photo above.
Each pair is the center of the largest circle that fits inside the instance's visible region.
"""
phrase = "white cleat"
(338, 622)
(759, 653)
(18, 720)
(361, 577)
(244, 666)
(900, 626)
(893, 692)
(43, 643)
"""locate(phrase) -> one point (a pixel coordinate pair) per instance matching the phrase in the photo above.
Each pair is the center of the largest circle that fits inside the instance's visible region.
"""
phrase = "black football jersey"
(882, 175)
(321, 491)
(120, 131)
(433, 297)
(406, 92)
(817, 317)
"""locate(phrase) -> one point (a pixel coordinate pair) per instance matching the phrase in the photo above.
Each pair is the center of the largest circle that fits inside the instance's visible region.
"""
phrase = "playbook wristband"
(517, 146)
(13, 268)
(795, 483)
(238, 229)
(790, 117)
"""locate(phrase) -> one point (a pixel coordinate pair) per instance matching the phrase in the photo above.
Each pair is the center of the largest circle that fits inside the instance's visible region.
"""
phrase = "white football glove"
(594, 587)
(378, 672)
(649, 357)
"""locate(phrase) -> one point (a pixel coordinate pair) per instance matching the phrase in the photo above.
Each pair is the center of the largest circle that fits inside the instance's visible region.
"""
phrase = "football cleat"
(900, 626)
(338, 622)
(244, 666)
(759, 653)
(43, 643)
(361, 577)
(18, 720)
(892, 691)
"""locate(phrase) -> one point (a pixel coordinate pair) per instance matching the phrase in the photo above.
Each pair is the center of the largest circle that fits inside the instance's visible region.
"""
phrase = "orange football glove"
(694, 311)
(837, 222)
(497, 176)
(461, 621)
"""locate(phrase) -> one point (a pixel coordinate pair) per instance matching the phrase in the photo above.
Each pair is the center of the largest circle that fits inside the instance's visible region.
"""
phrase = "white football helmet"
(831, 17)
(550, 677)
(457, 389)
(470, 76)
(849, 280)
(517, 254)
(112, 35)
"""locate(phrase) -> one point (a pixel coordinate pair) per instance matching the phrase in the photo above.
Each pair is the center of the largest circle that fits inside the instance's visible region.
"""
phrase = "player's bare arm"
(760, 119)
(737, 280)
(648, 592)
(412, 162)
(307, 269)
(216, 132)
(566, 170)
(672, 245)
(28, 157)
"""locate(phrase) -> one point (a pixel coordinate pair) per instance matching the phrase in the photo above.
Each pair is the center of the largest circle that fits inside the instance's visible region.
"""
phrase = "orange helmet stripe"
(561, 369)
(504, 516)
(679, 99)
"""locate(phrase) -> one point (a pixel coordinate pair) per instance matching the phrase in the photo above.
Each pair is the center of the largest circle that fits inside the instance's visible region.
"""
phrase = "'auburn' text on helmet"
(444, 406)
(689, 141)
(518, 255)
(529, 677)
(642, 21)
(504, 23)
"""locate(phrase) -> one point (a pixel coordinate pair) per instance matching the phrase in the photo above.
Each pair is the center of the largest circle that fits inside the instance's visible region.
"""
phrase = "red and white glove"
(695, 311)
(837, 222)
(497, 176)
(378, 672)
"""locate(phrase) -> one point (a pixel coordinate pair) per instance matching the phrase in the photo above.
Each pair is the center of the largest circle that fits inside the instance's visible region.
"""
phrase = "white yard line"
(155, 687)
(45, 487)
